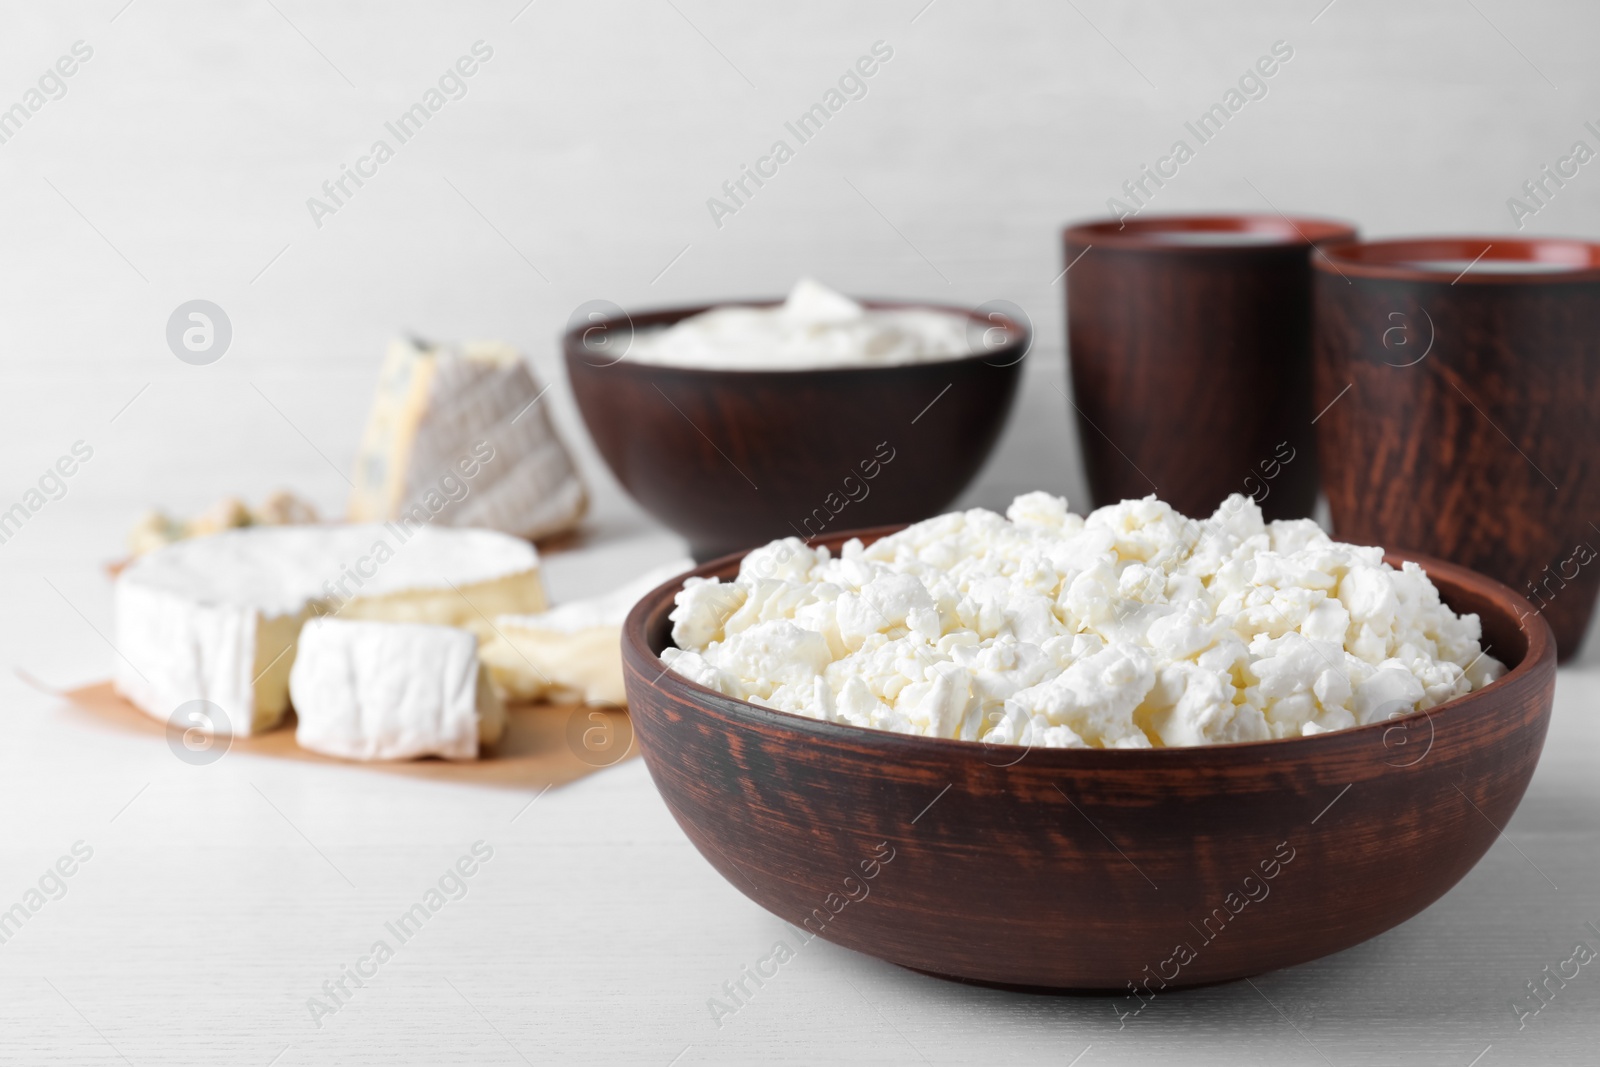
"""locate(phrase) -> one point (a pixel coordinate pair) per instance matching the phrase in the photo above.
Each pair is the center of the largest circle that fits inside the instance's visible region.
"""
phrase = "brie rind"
(392, 691)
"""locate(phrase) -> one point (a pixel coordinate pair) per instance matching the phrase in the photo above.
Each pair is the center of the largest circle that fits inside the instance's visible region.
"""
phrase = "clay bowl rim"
(1540, 653)
(1396, 258)
(1145, 233)
(1014, 351)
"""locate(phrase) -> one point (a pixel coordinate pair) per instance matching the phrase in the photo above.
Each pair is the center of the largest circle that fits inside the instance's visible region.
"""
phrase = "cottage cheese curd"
(814, 327)
(1132, 628)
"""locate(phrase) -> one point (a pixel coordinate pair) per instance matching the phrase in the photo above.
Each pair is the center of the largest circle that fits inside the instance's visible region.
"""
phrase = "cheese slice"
(392, 691)
(572, 653)
(216, 618)
(460, 438)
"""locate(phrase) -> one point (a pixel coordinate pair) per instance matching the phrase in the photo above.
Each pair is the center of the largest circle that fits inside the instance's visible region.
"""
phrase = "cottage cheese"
(1132, 628)
(815, 327)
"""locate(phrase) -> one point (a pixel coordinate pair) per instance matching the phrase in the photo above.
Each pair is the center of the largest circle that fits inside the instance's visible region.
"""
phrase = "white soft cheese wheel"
(216, 618)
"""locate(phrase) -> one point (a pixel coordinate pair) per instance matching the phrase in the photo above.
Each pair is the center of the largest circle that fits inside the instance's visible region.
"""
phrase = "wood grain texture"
(733, 459)
(1190, 362)
(1092, 869)
(1467, 425)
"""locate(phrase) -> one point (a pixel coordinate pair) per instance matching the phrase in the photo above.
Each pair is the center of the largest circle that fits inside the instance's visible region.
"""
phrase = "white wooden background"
(177, 166)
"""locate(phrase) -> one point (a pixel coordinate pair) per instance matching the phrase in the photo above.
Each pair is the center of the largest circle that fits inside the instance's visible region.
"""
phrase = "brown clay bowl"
(1060, 869)
(731, 459)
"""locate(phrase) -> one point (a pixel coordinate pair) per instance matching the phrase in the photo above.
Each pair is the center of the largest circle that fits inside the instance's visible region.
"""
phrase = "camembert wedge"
(392, 691)
(571, 653)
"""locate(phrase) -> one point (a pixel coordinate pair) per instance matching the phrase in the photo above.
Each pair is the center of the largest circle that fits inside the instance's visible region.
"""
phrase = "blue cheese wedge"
(392, 691)
(458, 437)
